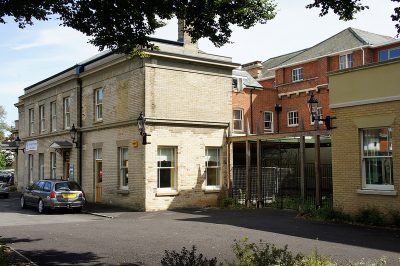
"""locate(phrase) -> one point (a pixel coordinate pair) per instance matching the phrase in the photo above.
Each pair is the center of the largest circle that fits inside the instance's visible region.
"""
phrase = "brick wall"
(346, 158)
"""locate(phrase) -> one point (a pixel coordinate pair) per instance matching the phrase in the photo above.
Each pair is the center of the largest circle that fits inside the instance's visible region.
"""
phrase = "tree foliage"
(4, 127)
(126, 24)
(346, 9)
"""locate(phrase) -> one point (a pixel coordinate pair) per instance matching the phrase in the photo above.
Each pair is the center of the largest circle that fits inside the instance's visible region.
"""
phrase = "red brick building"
(288, 80)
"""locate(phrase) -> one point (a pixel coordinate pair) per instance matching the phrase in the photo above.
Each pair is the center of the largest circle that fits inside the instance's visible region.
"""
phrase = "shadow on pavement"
(285, 222)
(57, 257)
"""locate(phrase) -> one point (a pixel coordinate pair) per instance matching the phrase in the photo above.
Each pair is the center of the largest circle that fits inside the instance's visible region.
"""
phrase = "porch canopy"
(61, 145)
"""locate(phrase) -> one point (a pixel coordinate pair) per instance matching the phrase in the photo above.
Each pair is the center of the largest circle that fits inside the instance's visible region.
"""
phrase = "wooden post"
(302, 167)
(317, 163)
(248, 169)
(259, 201)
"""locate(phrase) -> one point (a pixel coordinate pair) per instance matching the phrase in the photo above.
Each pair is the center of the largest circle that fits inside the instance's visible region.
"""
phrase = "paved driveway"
(137, 238)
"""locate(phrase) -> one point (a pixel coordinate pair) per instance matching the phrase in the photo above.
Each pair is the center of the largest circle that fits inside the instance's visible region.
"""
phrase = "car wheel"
(41, 207)
(22, 201)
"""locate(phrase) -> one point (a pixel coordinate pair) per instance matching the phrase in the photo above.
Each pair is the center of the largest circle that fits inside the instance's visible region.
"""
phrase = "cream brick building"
(366, 140)
(185, 95)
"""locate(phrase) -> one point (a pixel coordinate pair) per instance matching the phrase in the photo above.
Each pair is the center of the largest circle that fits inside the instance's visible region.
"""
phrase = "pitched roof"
(249, 81)
(276, 61)
(345, 40)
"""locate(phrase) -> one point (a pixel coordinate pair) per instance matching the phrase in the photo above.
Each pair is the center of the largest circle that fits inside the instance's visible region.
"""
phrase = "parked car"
(4, 191)
(53, 194)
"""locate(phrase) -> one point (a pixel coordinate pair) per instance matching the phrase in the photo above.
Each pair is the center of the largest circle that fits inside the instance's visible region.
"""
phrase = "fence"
(281, 186)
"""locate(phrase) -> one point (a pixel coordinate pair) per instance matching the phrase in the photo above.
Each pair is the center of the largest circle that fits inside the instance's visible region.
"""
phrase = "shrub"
(250, 254)
(187, 258)
(370, 216)
(394, 217)
(324, 213)
(12, 188)
(4, 255)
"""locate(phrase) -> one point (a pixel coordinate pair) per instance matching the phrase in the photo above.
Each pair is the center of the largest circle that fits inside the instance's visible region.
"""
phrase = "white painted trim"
(377, 192)
(363, 102)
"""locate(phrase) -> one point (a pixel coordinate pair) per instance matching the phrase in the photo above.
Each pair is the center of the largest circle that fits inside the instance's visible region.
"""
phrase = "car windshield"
(67, 186)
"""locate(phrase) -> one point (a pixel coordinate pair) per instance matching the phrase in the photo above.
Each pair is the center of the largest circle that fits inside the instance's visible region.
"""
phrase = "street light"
(18, 143)
(313, 108)
(72, 132)
(141, 121)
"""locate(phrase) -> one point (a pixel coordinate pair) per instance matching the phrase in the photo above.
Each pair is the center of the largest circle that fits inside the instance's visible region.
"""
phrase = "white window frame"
(53, 114)
(218, 167)
(67, 112)
(31, 121)
(240, 119)
(41, 165)
(53, 165)
(30, 168)
(347, 61)
(239, 86)
(387, 187)
(42, 119)
(98, 104)
(319, 115)
(122, 168)
(174, 167)
(269, 130)
(291, 118)
(297, 74)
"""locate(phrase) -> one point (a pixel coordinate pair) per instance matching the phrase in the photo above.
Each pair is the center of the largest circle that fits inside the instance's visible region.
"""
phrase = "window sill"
(209, 190)
(377, 192)
(167, 193)
(123, 191)
(293, 125)
(98, 121)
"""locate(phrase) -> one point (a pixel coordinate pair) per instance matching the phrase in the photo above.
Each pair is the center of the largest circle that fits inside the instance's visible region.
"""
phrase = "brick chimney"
(186, 39)
(253, 68)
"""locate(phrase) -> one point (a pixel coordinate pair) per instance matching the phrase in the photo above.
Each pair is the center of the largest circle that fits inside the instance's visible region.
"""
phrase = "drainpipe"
(363, 55)
(80, 131)
(251, 111)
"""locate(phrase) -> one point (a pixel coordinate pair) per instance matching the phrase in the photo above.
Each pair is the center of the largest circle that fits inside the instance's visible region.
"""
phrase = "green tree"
(124, 25)
(4, 127)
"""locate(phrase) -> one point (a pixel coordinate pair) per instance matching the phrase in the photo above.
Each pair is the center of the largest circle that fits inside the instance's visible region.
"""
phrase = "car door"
(28, 196)
(46, 193)
(37, 192)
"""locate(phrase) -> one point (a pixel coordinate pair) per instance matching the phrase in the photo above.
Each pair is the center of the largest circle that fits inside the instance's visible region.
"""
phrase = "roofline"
(97, 59)
(386, 43)
(318, 57)
(301, 50)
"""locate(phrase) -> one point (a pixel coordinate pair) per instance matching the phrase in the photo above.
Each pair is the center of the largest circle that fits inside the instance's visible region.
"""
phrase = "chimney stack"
(186, 39)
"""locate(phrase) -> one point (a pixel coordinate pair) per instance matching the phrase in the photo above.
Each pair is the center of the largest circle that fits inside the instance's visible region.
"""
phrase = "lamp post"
(17, 144)
(141, 121)
(72, 132)
(313, 108)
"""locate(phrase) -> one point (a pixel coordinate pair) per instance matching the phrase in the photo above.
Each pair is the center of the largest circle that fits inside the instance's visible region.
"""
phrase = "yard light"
(72, 132)
(141, 121)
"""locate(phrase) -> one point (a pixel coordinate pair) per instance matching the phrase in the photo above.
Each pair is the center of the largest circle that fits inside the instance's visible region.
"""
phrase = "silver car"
(53, 194)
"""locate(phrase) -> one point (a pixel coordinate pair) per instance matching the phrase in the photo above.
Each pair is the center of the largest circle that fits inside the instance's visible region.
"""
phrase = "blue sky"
(35, 53)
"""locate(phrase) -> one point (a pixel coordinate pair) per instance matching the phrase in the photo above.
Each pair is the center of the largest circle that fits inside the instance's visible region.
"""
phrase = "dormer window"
(238, 83)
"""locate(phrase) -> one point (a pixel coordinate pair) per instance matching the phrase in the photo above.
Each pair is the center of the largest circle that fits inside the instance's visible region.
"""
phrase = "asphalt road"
(137, 238)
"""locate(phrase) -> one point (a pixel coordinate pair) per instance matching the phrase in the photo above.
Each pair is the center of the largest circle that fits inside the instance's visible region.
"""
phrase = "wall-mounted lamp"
(313, 108)
(18, 143)
(73, 134)
(142, 128)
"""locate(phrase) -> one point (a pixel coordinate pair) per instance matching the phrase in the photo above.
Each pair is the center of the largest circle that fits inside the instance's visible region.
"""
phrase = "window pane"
(237, 114)
(377, 142)
(213, 176)
(383, 55)
(394, 53)
(166, 177)
(379, 171)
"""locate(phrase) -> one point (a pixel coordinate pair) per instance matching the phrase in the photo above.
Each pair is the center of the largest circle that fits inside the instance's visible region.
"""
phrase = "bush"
(187, 258)
(324, 213)
(394, 217)
(250, 254)
(12, 188)
(4, 255)
(370, 216)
